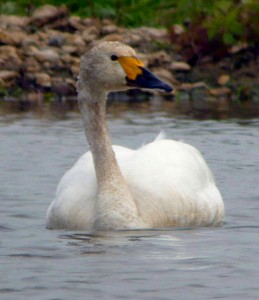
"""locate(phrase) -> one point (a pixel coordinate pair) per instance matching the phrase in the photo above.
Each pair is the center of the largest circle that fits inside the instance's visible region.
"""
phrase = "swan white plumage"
(163, 184)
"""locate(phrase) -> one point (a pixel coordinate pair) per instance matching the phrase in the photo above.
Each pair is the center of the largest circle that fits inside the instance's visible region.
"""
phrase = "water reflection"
(118, 105)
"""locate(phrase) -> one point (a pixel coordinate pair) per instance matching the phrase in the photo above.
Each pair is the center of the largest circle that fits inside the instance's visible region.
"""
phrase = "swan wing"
(172, 185)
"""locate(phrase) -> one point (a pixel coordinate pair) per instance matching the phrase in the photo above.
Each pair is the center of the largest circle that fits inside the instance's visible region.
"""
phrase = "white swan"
(163, 184)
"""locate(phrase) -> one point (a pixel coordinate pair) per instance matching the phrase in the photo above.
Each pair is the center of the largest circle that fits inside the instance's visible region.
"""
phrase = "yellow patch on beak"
(131, 66)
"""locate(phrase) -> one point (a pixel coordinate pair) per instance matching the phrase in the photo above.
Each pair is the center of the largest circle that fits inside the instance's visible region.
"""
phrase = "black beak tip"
(149, 81)
(168, 88)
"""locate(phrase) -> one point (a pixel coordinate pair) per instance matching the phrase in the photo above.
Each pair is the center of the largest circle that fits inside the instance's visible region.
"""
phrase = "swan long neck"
(113, 193)
(97, 133)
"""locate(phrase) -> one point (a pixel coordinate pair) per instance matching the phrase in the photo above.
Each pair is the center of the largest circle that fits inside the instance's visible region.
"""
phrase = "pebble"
(192, 86)
(223, 79)
(76, 23)
(159, 58)
(69, 49)
(13, 22)
(47, 14)
(5, 38)
(10, 58)
(56, 41)
(43, 79)
(180, 66)
(31, 65)
(6, 75)
(44, 55)
(220, 91)
(109, 29)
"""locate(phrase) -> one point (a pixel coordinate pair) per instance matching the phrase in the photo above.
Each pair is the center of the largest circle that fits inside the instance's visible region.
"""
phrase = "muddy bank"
(40, 56)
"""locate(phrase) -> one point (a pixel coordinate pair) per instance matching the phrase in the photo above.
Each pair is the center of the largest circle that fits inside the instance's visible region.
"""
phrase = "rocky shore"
(40, 56)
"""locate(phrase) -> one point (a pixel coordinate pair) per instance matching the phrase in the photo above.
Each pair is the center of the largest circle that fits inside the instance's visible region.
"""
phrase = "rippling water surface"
(200, 263)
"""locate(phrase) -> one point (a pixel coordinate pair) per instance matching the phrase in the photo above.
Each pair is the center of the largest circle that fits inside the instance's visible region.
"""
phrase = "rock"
(74, 40)
(70, 60)
(43, 36)
(191, 86)
(70, 81)
(31, 65)
(223, 79)
(45, 55)
(220, 91)
(180, 66)
(57, 41)
(109, 29)
(76, 23)
(47, 14)
(158, 58)
(43, 79)
(6, 75)
(54, 38)
(153, 33)
(12, 37)
(91, 30)
(237, 48)
(29, 40)
(69, 49)
(61, 25)
(78, 41)
(132, 39)
(178, 29)
(9, 58)
(18, 37)
(71, 63)
(63, 88)
(88, 22)
(75, 69)
(112, 38)
(107, 22)
(143, 37)
(88, 38)
(9, 22)
(5, 38)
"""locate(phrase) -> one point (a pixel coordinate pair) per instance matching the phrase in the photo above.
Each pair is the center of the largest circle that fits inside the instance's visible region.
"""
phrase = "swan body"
(165, 183)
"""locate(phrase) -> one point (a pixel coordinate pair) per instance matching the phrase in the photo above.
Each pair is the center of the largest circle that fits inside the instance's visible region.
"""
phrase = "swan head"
(113, 66)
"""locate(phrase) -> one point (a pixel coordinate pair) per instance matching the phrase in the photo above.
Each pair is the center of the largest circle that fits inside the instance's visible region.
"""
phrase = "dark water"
(202, 263)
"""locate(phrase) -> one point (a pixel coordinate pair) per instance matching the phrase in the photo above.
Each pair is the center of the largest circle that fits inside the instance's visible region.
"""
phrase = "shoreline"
(40, 56)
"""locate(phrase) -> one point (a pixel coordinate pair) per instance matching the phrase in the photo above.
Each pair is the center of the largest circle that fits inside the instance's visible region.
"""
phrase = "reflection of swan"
(163, 184)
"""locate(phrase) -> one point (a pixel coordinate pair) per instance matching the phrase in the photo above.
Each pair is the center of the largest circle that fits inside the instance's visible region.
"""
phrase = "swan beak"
(140, 77)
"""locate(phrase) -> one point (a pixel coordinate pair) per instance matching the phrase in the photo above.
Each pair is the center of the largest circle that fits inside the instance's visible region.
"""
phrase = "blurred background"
(208, 50)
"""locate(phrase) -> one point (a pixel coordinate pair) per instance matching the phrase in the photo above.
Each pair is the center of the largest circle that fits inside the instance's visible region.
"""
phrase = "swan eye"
(114, 57)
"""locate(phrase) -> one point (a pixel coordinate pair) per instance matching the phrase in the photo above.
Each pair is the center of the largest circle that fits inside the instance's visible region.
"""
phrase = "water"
(201, 263)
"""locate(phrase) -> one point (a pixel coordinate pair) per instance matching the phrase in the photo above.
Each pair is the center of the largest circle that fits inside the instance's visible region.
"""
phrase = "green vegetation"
(234, 21)
(3, 90)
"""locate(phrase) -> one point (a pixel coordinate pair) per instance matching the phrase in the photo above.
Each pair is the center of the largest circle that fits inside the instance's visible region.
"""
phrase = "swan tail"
(161, 136)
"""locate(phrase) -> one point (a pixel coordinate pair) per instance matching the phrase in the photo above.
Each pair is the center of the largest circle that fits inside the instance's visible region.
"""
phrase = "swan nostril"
(114, 57)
